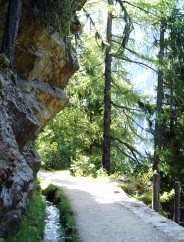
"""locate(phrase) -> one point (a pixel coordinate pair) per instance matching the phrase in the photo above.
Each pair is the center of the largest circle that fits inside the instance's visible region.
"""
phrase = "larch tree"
(107, 92)
(158, 136)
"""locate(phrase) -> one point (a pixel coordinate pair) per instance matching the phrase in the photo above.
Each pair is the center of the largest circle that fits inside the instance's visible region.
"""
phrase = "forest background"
(111, 125)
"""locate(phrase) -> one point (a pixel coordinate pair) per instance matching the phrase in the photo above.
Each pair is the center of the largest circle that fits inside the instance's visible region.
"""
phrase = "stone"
(45, 100)
(44, 57)
(30, 96)
(13, 221)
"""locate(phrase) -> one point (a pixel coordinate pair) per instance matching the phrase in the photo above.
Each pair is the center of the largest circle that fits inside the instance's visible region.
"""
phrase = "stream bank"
(53, 231)
(63, 218)
(47, 221)
(32, 225)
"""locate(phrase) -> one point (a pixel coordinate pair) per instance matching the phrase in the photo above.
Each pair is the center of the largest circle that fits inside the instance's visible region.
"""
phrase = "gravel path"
(104, 213)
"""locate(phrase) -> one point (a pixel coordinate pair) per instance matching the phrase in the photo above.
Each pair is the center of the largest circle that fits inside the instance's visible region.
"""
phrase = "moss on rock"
(56, 15)
(4, 61)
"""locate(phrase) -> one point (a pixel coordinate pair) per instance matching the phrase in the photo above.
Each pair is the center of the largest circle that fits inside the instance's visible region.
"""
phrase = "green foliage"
(167, 196)
(49, 192)
(56, 195)
(74, 138)
(32, 225)
(140, 186)
(4, 61)
(171, 155)
(56, 15)
(78, 128)
(84, 166)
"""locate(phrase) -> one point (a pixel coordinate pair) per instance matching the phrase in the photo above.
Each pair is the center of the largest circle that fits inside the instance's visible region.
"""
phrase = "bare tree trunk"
(11, 30)
(158, 123)
(172, 120)
(107, 95)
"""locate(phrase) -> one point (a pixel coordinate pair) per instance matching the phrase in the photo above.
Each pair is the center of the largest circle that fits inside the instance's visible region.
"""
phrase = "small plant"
(101, 173)
(4, 61)
(167, 196)
(82, 166)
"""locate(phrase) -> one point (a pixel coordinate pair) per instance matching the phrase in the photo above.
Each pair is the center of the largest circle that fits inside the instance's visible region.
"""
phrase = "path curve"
(104, 213)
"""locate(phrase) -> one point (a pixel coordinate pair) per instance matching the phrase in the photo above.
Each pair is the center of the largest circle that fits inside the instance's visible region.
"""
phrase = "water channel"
(53, 230)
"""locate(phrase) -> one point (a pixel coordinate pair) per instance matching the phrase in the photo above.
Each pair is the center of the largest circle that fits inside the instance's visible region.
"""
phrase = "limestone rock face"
(43, 65)
(18, 159)
(44, 100)
(41, 56)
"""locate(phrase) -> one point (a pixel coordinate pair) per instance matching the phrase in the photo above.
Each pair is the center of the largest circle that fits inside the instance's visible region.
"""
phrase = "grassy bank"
(32, 225)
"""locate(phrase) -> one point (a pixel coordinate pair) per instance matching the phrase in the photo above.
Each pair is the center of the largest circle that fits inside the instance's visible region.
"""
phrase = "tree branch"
(97, 35)
(142, 9)
(119, 87)
(133, 61)
(128, 26)
(132, 149)
(123, 107)
(132, 120)
(140, 55)
(124, 153)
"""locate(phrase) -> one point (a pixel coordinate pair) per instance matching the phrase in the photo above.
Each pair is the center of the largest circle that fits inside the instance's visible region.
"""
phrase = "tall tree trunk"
(11, 30)
(107, 95)
(158, 123)
(172, 119)
(172, 136)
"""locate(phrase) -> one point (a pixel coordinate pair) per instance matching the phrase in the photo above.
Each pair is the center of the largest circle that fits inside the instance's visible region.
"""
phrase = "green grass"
(32, 225)
(57, 196)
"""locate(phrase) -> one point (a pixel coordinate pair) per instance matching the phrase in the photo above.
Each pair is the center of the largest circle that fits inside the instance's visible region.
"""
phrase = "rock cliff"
(43, 67)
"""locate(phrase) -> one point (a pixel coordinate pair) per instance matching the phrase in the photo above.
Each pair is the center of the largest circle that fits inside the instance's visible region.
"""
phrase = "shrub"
(83, 166)
(140, 186)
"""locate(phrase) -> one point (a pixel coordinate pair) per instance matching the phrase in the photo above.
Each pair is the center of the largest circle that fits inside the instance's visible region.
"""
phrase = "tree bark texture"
(177, 188)
(11, 29)
(107, 95)
(156, 192)
(158, 123)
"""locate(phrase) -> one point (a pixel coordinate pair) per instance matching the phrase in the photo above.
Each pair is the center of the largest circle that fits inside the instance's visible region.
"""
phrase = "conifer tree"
(107, 93)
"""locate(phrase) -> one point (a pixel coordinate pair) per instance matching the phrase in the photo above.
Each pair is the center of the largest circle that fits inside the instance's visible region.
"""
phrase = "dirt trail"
(104, 213)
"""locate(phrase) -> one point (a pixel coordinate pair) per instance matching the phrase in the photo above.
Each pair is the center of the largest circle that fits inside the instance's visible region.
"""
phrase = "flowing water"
(53, 229)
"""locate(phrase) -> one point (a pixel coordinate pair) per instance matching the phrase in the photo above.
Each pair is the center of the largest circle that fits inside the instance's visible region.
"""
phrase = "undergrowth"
(140, 187)
(32, 225)
(57, 196)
